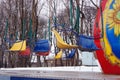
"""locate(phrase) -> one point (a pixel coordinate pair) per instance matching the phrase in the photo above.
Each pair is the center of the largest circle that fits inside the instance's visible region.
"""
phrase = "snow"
(73, 68)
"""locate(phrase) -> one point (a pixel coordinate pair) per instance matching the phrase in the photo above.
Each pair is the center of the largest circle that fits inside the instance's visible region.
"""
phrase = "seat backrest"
(18, 46)
(87, 43)
(71, 54)
(42, 46)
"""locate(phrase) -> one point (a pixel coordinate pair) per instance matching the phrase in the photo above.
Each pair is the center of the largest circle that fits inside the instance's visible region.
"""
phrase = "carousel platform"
(55, 73)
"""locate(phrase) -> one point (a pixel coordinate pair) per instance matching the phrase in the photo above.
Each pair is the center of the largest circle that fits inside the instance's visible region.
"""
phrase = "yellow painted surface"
(59, 55)
(60, 43)
(108, 50)
(19, 46)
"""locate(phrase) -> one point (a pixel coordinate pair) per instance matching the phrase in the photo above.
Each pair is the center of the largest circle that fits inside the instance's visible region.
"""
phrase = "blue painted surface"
(28, 78)
(71, 55)
(114, 42)
(87, 42)
(42, 46)
(111, 5)
(2, 77)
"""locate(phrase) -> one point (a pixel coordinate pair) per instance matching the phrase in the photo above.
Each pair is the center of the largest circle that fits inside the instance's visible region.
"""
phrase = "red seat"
(43, 53)
(25, 52)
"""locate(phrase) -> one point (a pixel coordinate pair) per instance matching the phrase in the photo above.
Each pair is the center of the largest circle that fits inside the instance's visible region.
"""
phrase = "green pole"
(45, 35)
(30, 33)
(76, 27)
(16, 35)
(23, 29)
(30, 29)
(71, 13)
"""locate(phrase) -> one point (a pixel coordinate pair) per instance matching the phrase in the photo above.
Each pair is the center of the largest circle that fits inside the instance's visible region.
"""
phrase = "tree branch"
(94, 3)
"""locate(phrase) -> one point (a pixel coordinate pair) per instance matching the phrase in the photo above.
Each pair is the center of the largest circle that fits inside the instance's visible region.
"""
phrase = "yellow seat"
(60, 43)
(59, 55)
(19, 46)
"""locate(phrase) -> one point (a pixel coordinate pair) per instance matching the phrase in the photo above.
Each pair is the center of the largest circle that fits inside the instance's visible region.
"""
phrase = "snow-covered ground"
(75, 68)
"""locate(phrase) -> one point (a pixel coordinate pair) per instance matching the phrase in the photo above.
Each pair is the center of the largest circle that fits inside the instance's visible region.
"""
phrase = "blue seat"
(71, 55)
(42, 46)
(86, 43)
